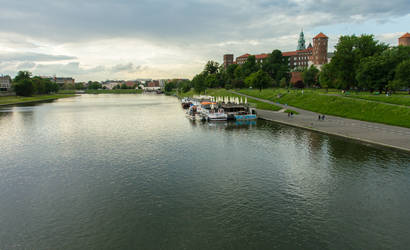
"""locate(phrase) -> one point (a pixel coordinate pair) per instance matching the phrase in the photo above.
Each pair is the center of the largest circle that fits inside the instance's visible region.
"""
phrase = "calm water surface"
(131, 172)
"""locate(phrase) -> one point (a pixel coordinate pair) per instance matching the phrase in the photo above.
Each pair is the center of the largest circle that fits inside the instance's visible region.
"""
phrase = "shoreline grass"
(353, 108)
(11, 100)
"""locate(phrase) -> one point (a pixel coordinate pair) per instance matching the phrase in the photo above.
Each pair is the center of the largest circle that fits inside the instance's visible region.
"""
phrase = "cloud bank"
(173, 38)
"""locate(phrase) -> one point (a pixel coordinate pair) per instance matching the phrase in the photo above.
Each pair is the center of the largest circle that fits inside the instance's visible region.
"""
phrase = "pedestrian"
(323, 117)
(291, 114)
(288, 114)
(319, 117)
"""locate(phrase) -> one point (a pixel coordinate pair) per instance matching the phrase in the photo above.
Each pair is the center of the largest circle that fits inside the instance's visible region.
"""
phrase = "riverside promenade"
(375, 133)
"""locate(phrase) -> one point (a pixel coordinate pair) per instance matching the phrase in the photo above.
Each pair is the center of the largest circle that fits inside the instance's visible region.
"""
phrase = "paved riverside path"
(376, 133)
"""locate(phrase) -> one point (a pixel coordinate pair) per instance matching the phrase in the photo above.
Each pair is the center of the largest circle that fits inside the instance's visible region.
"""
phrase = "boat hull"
(245, 117)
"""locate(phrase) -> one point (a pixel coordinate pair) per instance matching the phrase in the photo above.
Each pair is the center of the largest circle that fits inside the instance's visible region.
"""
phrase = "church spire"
(301, 42)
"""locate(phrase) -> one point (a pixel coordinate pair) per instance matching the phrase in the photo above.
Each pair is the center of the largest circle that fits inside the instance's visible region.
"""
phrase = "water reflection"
(134, 171)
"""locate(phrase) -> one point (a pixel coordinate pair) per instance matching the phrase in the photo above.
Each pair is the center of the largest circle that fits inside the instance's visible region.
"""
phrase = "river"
(131, 172)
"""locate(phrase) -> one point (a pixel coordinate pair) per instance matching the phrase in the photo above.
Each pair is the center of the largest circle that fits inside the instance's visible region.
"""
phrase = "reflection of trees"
(347, 149)
(5, 114)
(315, 141)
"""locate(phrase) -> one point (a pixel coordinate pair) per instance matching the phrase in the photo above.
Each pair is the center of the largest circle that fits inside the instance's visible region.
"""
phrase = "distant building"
(109, 85)
(301, 41)
(242, 59)
(131, 84)
(312, 55)
(404, 40)
(60, 80)
(296, 79)
(153, 84)
(320, 44)
(5, 83)
(228, 60)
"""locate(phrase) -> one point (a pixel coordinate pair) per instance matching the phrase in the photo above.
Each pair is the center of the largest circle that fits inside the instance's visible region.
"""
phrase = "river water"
(131, 172)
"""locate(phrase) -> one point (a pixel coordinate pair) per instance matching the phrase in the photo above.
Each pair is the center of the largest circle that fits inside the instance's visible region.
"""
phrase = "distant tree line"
(179, 85)
(271, 72)
(26, 85)
(363, 63)
(359, 62)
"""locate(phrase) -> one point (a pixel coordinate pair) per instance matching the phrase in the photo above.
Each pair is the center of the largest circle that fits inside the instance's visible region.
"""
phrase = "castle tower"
(319, 54)
(228, 60)
(405, 40)
(301, 41)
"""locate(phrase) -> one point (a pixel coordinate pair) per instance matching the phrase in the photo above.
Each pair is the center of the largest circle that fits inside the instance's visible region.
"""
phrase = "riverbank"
(374, 133)
(11, 100)
(352, 108)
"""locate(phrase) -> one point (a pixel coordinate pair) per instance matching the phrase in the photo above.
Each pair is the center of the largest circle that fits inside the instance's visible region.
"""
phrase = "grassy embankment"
(353, 108)
(398, 98)
(224, 92)
(104, 91)
(9, 100)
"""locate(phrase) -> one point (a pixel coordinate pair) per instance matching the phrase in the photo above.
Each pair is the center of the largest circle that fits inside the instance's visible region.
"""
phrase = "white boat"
(216, 115)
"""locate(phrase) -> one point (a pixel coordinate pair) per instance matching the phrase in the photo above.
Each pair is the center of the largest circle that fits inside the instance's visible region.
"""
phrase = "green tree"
(230, 71)
(250, 66)
(259, 80)
(39, 86)
(350, 50)
(24, 87)
(373, 73)
(283, 83)
(402, 76)
(327, 77)
(94, 85)
(310, 76)
(276, 65)
(79, 86)
(22, 75)
(23, 84)
(211, 67)
(199, 83)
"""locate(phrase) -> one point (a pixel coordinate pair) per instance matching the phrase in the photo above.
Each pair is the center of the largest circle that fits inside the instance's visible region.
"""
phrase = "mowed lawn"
(353, 108)
(224, 92)
(8, 100)
(393, 99)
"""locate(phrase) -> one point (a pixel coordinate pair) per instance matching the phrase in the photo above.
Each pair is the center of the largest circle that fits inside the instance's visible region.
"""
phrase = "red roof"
(320, 35)
(290, 53)
(244, 56)
(130, 83)
(305, 50)
(407, 35)
(261, 56)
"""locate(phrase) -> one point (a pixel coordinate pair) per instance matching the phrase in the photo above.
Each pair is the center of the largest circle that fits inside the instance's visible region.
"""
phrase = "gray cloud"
(26, 66)
(32, 57)
(200, 20)
(129, 67)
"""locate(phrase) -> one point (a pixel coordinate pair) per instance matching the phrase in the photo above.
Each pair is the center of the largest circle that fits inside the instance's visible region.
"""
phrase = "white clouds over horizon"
(125, 39)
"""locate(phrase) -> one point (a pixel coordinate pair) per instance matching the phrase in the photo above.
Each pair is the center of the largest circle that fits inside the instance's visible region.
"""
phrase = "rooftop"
(320, 35)
(407, 35)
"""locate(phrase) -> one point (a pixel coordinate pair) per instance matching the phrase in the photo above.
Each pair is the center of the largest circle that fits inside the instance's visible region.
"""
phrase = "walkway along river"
(131, 172)
(376, 133)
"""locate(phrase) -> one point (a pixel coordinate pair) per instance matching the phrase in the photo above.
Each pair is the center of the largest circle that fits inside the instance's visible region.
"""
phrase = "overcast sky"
(129, 39)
